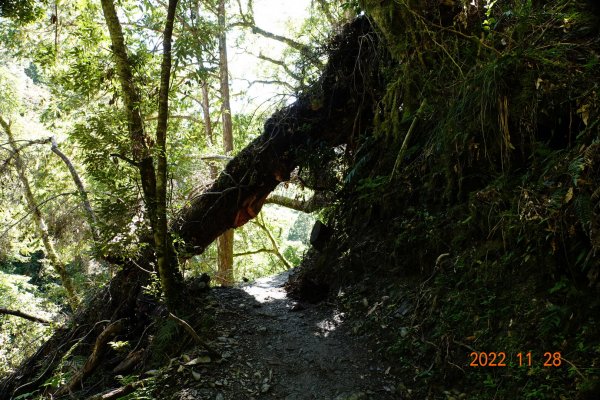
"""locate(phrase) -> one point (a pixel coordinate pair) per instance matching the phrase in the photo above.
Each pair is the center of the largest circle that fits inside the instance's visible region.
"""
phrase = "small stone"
(265, 388)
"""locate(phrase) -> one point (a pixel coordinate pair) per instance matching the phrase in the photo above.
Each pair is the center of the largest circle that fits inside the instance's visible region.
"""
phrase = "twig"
(194, 335)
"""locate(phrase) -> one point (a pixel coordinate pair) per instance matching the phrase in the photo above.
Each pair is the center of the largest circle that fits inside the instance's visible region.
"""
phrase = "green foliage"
(21, 11)
(300, 230)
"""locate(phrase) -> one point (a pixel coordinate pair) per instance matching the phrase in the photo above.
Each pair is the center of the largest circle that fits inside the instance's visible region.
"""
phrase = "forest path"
(276, 348)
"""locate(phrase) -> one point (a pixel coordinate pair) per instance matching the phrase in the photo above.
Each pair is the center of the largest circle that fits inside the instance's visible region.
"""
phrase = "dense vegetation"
(452, 148)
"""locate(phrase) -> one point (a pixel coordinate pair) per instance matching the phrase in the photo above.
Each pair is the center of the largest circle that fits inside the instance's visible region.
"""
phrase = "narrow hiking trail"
(276, 348)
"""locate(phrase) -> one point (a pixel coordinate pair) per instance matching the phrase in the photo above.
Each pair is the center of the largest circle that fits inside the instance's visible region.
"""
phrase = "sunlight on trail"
(329, 325)
(268, 289)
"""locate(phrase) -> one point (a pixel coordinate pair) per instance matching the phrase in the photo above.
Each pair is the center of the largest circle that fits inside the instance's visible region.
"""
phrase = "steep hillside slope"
(467, 227)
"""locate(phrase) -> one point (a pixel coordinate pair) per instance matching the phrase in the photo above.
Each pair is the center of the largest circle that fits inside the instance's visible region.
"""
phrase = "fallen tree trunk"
(332, 112)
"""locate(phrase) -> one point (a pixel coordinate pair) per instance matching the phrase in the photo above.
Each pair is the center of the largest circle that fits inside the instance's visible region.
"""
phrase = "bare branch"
(26, 316)
(260, 222)
(308, 206)
(304, 49)
(270, 82)
(216, 157)
(252, 252)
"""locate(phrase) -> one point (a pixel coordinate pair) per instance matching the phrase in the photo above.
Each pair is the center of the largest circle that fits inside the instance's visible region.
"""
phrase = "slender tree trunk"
(206, 114)
(208, 127)
(260, 222)
(165, 254)
(140, 147)
(225, 242)
(57, 263)
(154, 187)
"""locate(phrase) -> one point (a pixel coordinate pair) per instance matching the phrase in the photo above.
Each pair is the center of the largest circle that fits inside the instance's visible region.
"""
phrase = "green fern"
(576, 167)
(583, 211)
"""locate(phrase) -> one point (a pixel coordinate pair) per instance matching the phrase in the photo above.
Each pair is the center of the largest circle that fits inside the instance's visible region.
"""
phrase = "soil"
(275, 348)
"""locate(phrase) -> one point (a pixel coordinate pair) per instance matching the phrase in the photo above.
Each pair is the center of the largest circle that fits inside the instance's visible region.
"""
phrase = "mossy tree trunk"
(154, 182)
(166, 258)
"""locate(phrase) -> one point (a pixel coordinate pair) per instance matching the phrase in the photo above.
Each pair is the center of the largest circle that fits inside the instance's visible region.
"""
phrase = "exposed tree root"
(120, 392)
(115, 301)
(188, 328)
(111, 330)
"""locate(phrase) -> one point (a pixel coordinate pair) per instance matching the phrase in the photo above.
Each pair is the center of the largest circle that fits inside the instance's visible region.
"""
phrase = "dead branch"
(281, 64)
(252, 252)
(23, 315)
(308, 206)
(260, 222)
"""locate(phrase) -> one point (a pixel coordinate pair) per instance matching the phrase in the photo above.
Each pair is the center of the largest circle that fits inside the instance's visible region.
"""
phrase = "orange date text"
(521, 359)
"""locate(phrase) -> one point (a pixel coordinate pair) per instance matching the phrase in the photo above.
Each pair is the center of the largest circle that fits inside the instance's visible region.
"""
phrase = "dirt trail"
(275, 348)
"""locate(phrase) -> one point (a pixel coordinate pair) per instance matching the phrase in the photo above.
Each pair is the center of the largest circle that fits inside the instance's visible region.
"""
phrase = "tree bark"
(57, 263)
(225, 242)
